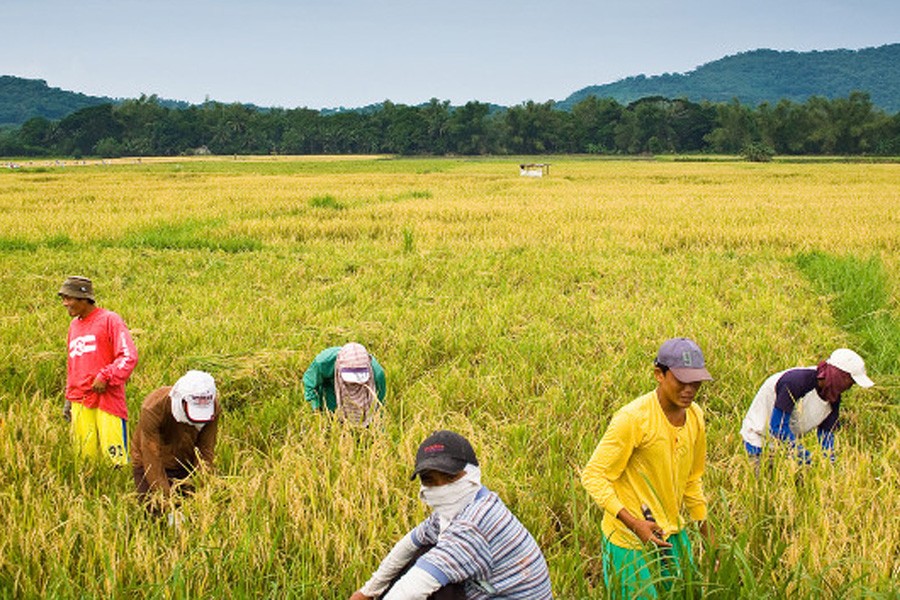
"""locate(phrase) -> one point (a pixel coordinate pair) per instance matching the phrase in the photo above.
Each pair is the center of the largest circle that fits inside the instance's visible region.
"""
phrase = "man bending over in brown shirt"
(176, 430)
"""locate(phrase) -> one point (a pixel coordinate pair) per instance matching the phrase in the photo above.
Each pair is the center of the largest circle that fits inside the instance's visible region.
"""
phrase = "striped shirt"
(486, 547)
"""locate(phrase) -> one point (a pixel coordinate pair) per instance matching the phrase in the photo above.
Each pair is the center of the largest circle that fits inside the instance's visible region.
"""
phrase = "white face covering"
(191, 385)
(181, 416)
(448, 500)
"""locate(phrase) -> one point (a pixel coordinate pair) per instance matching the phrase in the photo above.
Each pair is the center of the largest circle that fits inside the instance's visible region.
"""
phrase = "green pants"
(642, 573)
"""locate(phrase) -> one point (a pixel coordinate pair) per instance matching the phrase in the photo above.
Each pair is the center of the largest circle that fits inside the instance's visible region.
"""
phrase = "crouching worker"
(345, 380)
(176, 431)
(791, 403)
(471, 546)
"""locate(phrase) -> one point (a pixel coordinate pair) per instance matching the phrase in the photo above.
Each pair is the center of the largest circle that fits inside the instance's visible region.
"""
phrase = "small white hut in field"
(534, 169)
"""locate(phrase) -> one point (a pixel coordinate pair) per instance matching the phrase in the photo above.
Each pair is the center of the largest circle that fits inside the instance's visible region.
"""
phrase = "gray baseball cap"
(684, 358)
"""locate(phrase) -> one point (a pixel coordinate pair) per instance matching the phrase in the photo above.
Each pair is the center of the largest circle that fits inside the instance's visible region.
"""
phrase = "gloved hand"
(175, 519)
(67, 411)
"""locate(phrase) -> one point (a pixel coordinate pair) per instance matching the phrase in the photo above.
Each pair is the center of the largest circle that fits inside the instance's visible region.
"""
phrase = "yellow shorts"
(96, 432)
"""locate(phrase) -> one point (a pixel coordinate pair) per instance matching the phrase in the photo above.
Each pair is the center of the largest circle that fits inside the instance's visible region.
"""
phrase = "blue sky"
(351, 53)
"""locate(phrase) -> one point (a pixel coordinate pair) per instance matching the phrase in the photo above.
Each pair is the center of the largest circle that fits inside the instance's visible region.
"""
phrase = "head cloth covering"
(354, 384)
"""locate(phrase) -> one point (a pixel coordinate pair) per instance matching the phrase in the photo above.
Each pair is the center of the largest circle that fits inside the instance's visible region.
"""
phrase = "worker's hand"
(358, 595)
(99, 385)
(67, 410)
(650, 531)
(157, 503)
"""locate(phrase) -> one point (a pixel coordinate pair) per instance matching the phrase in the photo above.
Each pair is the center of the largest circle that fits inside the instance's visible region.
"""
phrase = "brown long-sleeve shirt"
(160, 442)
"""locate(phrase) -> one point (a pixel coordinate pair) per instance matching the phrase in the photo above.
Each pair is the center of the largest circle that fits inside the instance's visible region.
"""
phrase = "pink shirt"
(100, 345)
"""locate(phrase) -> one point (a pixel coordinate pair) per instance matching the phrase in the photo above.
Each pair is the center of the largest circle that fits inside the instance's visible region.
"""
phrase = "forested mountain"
(769, 76)
(21, 99)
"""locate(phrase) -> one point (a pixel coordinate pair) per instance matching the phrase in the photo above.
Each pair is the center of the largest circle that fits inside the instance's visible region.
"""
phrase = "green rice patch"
(859, 296)
(326, 201)
(187, 235)
(14, 244)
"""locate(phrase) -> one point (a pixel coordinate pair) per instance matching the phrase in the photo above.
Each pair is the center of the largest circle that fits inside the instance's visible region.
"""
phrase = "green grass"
(327, 201)
(56, 242)
(186, 235)
(858, 293)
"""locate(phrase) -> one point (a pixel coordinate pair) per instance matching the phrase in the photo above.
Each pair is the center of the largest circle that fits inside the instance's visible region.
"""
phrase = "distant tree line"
(657, 125)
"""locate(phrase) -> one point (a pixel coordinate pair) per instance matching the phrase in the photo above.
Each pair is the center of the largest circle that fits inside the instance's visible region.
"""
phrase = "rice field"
(521, 312)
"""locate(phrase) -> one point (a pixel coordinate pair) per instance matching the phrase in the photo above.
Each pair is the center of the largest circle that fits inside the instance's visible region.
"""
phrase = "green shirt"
(318, 381)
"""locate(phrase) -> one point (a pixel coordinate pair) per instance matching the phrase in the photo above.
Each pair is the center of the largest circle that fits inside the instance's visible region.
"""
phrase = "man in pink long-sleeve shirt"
(101, 357)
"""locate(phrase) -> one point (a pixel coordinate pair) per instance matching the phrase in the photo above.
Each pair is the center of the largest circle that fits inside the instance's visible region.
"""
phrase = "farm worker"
(471, 546)
(649, 465)
(101, 357)
(791, 403)
(175, 434)
(347, 381)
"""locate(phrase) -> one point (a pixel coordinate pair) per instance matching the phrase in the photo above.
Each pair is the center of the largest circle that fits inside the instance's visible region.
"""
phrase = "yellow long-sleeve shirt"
(644, 459)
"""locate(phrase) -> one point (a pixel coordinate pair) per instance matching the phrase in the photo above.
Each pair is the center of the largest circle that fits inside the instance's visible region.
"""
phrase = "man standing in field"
(176, 433)
(792, 403)
(345, 380)
(648, 465)
(101, 357)
(471, 546)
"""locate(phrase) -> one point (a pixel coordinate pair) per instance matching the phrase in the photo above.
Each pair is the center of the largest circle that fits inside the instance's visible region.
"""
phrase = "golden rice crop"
(521, 312)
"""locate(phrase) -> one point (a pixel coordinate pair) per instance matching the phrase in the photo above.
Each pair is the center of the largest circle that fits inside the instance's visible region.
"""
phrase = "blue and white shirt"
(486, 547)
(793, 392)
